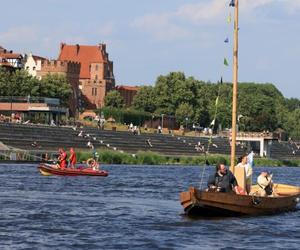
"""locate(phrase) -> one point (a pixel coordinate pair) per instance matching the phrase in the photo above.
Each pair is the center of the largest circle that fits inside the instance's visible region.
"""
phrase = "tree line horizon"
(261, 106)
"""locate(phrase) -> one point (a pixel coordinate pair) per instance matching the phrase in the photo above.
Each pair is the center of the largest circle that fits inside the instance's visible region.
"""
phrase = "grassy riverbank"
(150, 158)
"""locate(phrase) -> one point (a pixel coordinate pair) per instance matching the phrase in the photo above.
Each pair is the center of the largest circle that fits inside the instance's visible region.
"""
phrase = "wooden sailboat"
(210, 203)
(207, 203)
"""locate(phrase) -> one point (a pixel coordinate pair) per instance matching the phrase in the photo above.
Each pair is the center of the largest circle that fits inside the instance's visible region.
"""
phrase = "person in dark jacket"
(222, 180)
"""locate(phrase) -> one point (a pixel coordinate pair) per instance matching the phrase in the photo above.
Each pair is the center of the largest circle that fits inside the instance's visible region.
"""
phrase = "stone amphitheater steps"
(51, 138)
(284, 151)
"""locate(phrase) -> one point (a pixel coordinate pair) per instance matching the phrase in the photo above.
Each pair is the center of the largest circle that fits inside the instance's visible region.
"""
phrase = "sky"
(148, 38)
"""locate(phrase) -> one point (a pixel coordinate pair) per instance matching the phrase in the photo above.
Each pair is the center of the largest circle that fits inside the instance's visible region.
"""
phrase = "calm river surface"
(135, 207)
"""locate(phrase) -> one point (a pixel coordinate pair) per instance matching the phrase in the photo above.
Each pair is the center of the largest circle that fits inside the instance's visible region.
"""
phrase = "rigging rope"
(213, 123)
(212, 126)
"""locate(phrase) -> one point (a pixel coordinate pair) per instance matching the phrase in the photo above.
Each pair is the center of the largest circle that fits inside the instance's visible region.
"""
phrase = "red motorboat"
(53, 169)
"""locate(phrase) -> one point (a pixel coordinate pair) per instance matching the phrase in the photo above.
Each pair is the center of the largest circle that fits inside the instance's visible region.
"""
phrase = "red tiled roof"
(131, 88)
(4, 63)
(85, 54)
(20, 106)
(38, 58)
(10, 55)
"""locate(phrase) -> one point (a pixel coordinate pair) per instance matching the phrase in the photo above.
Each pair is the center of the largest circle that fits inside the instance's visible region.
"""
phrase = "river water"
(135, 207)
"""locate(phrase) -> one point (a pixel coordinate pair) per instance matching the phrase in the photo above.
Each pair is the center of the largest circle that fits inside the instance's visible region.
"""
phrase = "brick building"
(36, 109)
(96, 72)
(71, 71)
(127, 92)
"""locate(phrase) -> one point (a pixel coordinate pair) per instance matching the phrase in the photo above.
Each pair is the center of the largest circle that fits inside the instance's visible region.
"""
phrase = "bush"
(125, 115)
(152, 158)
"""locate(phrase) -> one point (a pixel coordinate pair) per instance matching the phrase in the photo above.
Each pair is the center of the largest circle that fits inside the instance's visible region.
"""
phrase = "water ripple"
(136, 207)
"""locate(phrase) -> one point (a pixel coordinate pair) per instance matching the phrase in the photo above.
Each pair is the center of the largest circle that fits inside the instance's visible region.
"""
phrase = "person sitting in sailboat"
(222, 180)
(244, 162)
(265, 184)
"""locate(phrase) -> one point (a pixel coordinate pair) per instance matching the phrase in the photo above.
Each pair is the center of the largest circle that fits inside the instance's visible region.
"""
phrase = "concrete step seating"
(284, 150)
(51, 138)
(24, 136)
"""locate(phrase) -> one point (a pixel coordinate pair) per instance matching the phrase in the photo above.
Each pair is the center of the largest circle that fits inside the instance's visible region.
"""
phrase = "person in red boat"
(72, 158)
(62, 158)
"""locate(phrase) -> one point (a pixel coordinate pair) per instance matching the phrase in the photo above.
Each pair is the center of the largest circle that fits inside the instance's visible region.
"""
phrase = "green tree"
(55, 86)
(184, 111)
(173, 90)
(292, 104)
(258, 104)
(224, 113)
(21, 83)
(144, 100)
(18, 83)
(166, 92)
(114, 99)
(293, 125)
(4, 81)
(205, 103)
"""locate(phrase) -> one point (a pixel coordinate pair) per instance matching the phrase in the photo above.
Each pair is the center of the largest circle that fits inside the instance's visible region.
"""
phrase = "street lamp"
(186, 120)
(11, 104)
(239, 122)
(162, 122)
(152, 117)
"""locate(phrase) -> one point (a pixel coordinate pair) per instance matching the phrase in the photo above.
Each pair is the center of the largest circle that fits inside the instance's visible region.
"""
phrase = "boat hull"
(48, 169)
(206, 203)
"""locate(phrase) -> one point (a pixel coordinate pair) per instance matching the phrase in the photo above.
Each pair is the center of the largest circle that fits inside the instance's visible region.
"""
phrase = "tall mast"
(235, 81)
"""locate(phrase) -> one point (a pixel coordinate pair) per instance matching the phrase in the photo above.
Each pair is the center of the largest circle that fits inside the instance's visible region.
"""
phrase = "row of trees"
(260, 106)
(20, 83)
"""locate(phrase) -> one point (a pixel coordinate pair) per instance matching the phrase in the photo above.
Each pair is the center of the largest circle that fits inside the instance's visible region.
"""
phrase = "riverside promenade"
(42, 139)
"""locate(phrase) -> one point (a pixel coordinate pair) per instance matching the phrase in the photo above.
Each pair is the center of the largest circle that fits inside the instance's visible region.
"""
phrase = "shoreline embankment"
(152, 158)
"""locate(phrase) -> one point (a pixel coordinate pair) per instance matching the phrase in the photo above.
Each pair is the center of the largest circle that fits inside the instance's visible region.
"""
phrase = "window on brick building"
(94, 91)
(96, 77)
(96, 67)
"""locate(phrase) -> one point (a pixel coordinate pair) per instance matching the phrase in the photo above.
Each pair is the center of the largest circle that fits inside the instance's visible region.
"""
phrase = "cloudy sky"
(147, 38)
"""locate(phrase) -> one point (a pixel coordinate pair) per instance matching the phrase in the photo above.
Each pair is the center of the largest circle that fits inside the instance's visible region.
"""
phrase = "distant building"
(127, 92)
(35, 109)
(96, 72)
(71, 71)
(33, 63)
(10, 60)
